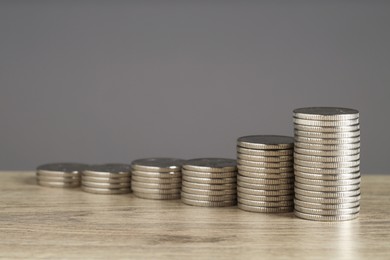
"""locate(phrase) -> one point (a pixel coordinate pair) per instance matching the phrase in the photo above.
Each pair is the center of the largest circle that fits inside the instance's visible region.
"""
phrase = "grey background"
(113, 81)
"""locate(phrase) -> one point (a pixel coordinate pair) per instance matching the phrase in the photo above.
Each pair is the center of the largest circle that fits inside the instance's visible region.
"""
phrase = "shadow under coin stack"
(107, 179)
(157, 178)
(210, 182)
(265, 173)
(60, 175)
(327, 163)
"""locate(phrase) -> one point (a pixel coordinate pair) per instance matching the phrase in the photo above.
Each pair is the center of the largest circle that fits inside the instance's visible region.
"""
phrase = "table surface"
(40, 222)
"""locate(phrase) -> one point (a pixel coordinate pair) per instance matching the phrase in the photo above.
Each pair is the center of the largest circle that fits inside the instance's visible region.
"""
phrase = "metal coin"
(320, 200)
(327, 147)
(346, 158)
(257, 158)
(264, 209)
(327, 153)
(326, 206)
(62, 167)
(327, 135)
(321, 194)
(155, 180)
(325, 178)
(58, 179)
(265, 181)
(268, 176)
(208, 192)
(106, 174)
(327, 129)
(326, 171)
(265, 164)
(114, 168)
(211, 165)
(264, 170)
(158, 164)
(155, 191)
(327, 165)
(106, 185)
(327, 188)
(59, 184)
(265, 192)
(105, 180)
(265, 198)
(211, 175)
(154, 196)
(266, 142)
(265, 186)
(229, 197)
(326, 113)
(344, 217)
(327, 212)
(105, 191)
(267, 204)
(336, 123)
(149, 185)
(209, 180)
(256, 152)
(201, 203)
(167, 175)
(310, 140)
(209, 186)
(328, 183)
(57, 174)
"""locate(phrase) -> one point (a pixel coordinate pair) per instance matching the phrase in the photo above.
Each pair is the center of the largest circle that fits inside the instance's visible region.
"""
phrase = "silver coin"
(208, 192)
(265, 181)
(265, 192)
(327, 165)
(268, 204)
(327, 147)
(146, 174)
(62, 167)
(328, 183)
(327, 153)
(322, 194)
(158, 164)
(105, 180)
(211, 175)
(265, 186)
(154, 196)
(209, 186)
(264, 170)
(58, 179)
(155, 180)
(201, 203)
(321, 200)
(58, 184)
(327, 129)
(327, 177)
(211, 165)
(105, 191)
(346, 158)
(264, 209)
(339, 188)
(333, 141)
(58, 174)
(268, 176)
(327, 135)
(229, 197)
(155, 191)
(326, 206)
(113, 168)
(344, 217)
(327, 212)
(326, 113)
(149, 185)
(266, 142)
(265, 198)
(257, 152)
(209, 180)
(335, 123)
(106, 185)
(265, 164)
(257, 158)
(300, 168)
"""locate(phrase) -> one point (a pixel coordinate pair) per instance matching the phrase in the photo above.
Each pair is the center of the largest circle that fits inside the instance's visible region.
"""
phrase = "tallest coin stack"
(327, 163)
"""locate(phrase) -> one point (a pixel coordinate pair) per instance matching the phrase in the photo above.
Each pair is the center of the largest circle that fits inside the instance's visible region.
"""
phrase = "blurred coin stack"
(61, 175)
(113, 178)
(327, 163)
(265, 173)
(209, 182)
(157, 178)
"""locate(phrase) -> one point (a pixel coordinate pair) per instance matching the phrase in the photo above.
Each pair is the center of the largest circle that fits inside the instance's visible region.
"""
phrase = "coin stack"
(209, 182)
(61, 175)
(265, 173)
(113, 178)
(327, 163)
(157, 178)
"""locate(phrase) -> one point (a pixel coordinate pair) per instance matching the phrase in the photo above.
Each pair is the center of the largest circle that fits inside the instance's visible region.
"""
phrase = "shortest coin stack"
(157, 178)
(107, 179)
(209, 182)
(60, 175)
(265, 173)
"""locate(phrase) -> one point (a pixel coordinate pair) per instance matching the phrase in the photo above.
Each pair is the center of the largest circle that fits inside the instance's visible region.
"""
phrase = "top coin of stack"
(327, 163)
(209, 182)
(113, 178)
(157, 178)
(62, 175)
(265, 173)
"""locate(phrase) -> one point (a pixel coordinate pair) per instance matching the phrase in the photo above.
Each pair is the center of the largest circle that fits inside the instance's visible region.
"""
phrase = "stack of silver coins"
(265, 173)
(327, 163)
(209, 182)
(157, 178)
(61, 175)
(113, 178)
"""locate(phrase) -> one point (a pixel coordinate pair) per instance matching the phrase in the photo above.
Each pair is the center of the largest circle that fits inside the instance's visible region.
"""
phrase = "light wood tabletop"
(40, 222)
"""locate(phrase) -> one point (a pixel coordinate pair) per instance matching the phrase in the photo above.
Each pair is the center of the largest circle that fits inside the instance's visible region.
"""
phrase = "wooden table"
(40, 222)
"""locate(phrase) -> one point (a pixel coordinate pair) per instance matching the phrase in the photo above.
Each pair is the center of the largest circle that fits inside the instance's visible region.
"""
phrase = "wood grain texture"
(40, 222)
